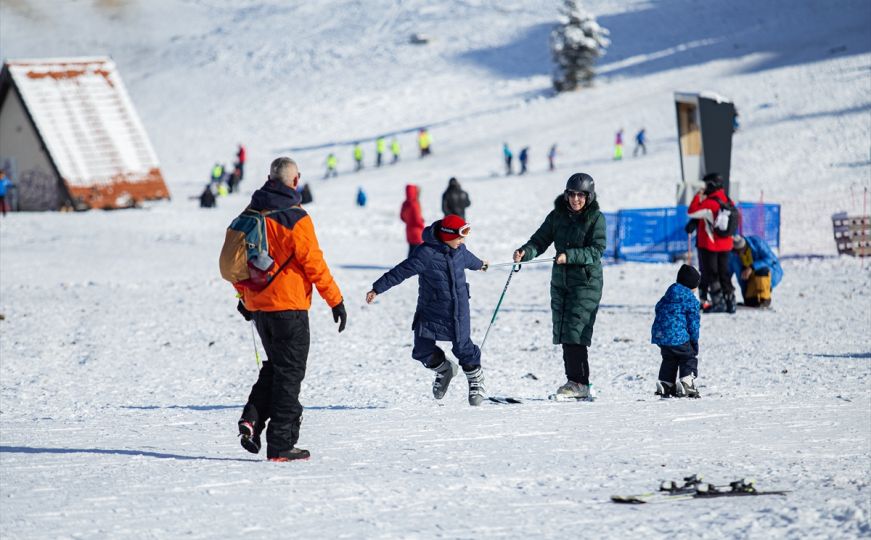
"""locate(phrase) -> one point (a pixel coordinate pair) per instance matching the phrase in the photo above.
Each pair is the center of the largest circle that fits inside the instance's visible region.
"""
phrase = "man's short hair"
(283, 169)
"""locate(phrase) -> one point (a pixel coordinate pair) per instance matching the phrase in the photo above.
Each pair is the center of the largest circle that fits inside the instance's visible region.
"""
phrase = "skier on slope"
(411, 214)
(442, 312)
(576, 228)
(455, 200)
(713, 249)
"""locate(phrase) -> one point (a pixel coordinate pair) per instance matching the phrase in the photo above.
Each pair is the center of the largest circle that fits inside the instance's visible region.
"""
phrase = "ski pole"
(256, 352)
(514, 269)
(522, 263)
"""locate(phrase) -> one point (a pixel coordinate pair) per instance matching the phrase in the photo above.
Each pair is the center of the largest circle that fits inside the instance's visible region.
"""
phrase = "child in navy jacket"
(442, 313)
(676, 331)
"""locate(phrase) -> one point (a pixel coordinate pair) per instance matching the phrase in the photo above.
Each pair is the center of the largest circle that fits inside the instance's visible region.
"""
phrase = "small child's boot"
(477, 394)
(665, 389)
(686, 387)
(444, 373)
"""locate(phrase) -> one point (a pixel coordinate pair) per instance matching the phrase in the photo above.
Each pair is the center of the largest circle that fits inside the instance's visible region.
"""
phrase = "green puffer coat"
(575, 287)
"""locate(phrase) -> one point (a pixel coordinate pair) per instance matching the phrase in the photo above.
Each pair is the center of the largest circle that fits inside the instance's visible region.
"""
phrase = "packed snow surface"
(124, 365)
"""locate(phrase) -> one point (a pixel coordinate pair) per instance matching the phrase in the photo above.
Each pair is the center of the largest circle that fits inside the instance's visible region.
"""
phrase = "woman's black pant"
(576, 363)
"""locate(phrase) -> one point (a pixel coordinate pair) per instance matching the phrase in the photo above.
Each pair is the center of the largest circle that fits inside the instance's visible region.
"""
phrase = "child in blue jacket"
(676, 331)
(442, 313)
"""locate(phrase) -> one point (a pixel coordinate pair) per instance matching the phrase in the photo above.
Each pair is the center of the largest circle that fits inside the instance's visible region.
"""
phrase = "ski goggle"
(578, 194)
(463, 231)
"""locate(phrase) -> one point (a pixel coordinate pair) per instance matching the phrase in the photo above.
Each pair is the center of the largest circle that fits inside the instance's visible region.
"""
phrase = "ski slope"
(124, 365)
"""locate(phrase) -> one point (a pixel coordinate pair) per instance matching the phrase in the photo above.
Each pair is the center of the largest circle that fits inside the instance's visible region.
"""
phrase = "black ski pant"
(679, 360)
(275, 395)
(714, 266)
(576, 363)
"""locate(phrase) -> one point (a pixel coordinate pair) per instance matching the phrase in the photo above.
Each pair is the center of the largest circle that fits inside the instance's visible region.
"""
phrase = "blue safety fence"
(658, 234)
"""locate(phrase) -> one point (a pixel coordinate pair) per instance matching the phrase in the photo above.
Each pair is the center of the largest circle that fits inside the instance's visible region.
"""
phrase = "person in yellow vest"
(424, 142)
(394, 149)
(332, 162)
(380, 148)
(358, 156)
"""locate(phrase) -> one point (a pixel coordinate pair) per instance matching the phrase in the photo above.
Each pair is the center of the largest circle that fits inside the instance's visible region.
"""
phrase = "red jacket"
(241, 154)
(705, 237)
(412, 216)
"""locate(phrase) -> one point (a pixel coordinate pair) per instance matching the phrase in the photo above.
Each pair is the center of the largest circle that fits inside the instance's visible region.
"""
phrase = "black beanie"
(688, 277)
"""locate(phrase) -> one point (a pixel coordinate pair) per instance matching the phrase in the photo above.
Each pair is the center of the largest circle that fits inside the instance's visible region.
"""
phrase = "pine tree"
(576, 43)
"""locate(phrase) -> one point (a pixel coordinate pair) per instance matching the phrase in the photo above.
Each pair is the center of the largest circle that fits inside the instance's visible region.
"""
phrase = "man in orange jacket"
(280, 313)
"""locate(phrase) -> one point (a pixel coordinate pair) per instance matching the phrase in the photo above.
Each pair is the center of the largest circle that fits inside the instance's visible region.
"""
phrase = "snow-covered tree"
(576, 43)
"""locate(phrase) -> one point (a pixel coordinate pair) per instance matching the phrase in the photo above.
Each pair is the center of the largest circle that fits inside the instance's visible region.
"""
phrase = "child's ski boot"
(444, 373)
(477, 394)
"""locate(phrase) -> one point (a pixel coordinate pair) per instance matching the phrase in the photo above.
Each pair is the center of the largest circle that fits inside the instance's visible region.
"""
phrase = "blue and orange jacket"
(292, 239)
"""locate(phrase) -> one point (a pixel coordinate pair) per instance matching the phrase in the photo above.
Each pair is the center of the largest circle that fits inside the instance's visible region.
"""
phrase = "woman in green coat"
(576, 228)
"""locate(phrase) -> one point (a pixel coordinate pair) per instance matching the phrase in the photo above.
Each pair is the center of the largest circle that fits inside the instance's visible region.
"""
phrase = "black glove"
(339, 313)
(691, 226)
(695, 345)
(240, 307)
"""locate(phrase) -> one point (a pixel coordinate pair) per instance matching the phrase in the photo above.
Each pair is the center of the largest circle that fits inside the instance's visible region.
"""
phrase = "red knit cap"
(452, 226)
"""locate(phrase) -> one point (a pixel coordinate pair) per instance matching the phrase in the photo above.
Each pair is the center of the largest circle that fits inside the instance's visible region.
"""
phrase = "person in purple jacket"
(676, 331)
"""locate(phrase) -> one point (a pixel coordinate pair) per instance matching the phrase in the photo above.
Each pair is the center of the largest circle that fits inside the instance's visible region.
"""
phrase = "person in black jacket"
(455, 200)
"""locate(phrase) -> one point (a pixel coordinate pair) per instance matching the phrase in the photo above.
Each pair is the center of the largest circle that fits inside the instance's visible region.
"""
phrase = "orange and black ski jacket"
(292, 240)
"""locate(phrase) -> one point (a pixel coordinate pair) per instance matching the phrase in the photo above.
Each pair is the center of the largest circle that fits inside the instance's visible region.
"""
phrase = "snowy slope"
(124, 366)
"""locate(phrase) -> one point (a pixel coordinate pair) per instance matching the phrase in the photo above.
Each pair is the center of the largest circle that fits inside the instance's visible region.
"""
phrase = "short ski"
(502, 400)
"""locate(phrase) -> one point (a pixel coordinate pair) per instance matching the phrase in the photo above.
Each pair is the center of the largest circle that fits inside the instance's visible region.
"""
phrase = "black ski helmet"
(582, 182)
(713, 181)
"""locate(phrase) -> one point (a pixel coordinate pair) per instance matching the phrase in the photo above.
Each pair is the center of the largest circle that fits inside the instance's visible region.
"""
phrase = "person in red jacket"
(413, 217)
(240, 161)
(713, 249)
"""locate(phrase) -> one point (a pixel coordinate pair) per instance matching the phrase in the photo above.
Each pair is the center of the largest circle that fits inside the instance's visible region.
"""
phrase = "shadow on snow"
(105, 451)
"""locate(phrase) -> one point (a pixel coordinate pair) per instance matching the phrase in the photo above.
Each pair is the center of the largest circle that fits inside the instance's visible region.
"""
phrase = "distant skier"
(361, 197)
(576, 228)
(676, 331)
(524, 158)
(640, 143)
(394, 149)
(380, 148)
(424, 142)
(442, 312)
(412, 216)
(207, 198)
(332, 163)
(509, 157)
(618, 145)
(713, 248)
(358, 157)
(551, 158)
(217, 173)
(455, 200)
(5, 185)
(241, 157)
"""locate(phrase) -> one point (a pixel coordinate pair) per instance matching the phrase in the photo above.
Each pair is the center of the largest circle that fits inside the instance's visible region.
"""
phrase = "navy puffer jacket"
(443, 295)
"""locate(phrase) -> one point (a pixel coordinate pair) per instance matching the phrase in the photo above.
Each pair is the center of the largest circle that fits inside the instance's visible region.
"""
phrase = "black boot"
(731, 306)
(718, 302)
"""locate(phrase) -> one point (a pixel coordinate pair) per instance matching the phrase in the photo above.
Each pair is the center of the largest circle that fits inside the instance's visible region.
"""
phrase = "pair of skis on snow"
(694, 488)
